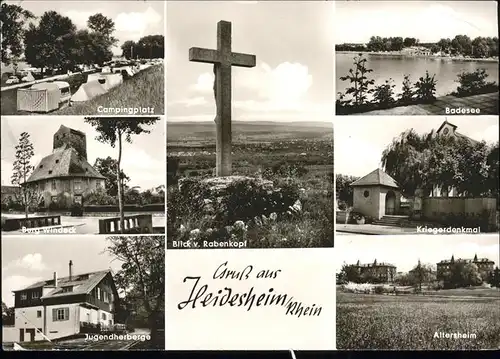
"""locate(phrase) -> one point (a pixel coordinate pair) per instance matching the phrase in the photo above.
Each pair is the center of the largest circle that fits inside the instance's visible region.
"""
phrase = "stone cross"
(222, 58)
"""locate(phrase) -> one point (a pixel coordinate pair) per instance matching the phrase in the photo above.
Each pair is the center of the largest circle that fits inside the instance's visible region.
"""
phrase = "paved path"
(487, 104)
(372, 229)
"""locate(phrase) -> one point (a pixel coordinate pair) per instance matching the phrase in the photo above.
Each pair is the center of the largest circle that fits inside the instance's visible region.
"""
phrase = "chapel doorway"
(390, 203)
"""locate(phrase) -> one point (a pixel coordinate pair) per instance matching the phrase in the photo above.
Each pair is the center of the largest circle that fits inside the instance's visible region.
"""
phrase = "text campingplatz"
(126, 110)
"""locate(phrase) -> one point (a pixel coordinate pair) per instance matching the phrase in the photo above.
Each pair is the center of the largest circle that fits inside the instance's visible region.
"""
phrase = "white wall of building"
(63, 328)
(28, 318)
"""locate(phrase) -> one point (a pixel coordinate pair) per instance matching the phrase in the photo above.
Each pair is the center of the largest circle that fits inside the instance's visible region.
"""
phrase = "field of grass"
(146, 89)
(409, 322)
(298, 152)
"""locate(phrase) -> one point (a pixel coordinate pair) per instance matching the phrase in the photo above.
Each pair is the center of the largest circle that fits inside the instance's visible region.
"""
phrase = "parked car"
(12, 80)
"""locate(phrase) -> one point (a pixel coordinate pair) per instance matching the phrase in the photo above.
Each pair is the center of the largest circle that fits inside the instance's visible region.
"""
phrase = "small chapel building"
(376, 195)
(65, 176)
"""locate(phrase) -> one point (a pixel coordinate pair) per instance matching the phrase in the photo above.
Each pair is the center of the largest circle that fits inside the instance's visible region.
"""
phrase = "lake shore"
(398, 54)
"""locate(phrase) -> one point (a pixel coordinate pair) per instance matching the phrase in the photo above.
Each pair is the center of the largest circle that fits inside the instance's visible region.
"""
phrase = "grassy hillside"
(146, 89)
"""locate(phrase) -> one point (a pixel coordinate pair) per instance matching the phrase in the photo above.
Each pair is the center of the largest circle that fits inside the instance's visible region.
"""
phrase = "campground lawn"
(146, 89)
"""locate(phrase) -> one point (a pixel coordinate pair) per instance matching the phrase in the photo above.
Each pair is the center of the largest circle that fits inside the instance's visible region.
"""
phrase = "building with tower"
(65, 176)
(485, 266)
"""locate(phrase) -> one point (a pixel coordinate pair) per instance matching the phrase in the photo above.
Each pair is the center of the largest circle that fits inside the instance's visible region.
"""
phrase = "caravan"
(43, 97)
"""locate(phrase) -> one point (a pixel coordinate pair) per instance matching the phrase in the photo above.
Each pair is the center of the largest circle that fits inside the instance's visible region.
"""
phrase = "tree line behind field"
(460, 274)
(54, 41)
(460, 45)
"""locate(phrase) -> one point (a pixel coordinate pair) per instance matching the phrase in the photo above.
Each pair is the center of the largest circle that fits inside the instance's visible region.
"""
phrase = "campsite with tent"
(41, 75)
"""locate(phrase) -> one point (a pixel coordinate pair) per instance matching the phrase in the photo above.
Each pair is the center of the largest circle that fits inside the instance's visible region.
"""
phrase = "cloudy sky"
(429, 21)
(293, 43)
(28, 260)
(133, 19)
(143, 160)
(405, 251)
(359, 141)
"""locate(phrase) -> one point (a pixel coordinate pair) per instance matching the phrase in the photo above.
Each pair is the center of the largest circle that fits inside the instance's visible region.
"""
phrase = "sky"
(293, 44)
(28, 260)
(405, 251)
(360, 141)
(429, 21)
(133, 19)
(143, 160)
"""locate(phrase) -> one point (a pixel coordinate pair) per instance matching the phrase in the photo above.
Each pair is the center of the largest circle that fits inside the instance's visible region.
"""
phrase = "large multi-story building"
(65, 176)
(383, 272)
(62, 307)
(485, 266)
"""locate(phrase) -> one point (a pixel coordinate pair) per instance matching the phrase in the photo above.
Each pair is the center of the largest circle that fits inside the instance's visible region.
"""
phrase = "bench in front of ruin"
(135, 224)
(15, 224)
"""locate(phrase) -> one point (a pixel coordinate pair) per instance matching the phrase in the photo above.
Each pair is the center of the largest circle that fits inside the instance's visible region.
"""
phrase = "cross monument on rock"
(222, 58)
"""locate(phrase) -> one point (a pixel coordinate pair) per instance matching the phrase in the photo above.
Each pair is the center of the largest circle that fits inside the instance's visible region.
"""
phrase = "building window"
(103, 316)
(60, 314)
(67, 289)
(42, 186)
(54, 187)
(98, 293)
(38, 313)
(78, 185)
(35, 295)
(366, 194)
(50, 172)
(98, 184)
(24, 296)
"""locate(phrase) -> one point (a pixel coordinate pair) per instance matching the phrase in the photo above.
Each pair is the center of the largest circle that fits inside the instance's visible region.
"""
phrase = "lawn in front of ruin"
(408, 322)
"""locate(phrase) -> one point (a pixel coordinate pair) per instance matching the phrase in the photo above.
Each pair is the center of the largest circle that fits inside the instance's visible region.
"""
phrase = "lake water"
(385, 67)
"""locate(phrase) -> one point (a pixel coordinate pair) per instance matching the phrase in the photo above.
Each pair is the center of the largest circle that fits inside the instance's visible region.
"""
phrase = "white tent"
(28, 77)
(88, 91)
(107, 80)
(124, 70)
